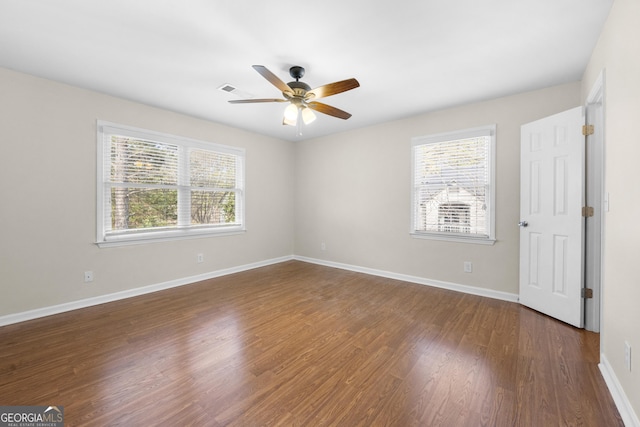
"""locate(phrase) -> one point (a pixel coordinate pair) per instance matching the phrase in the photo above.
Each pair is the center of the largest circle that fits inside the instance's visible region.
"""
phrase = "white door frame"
(596, 198)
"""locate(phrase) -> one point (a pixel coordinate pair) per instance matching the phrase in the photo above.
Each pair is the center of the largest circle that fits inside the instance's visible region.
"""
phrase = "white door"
(551, 222)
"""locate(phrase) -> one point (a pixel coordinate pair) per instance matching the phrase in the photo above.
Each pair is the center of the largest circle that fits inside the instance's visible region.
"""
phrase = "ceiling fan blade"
(328, 109)
(332, 89)
(273, 79)
(250, 101)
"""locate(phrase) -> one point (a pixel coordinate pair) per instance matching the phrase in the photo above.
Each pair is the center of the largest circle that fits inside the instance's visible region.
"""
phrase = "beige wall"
(617, 53)
(48, 193)
(353, 193)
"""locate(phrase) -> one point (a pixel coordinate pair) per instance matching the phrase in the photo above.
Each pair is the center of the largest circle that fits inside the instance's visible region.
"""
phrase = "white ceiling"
(410, 56)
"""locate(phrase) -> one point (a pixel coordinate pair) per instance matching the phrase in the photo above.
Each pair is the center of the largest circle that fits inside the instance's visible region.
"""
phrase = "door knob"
(523, 224)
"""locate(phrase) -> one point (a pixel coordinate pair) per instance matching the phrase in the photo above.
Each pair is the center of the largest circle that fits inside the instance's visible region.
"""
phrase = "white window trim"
(448, 136)
(159, 235)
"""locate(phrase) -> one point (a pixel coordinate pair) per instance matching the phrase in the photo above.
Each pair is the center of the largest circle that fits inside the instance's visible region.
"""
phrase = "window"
(453, 186)
(158, 186)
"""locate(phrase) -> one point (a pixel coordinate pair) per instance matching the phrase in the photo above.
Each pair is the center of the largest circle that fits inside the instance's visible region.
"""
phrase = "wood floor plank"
(302, 344)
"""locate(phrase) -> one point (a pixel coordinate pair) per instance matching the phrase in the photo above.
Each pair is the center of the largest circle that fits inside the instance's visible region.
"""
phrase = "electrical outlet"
(468, 267)
(323, 247)
(627, 355)
(200, 258)
(88, 276)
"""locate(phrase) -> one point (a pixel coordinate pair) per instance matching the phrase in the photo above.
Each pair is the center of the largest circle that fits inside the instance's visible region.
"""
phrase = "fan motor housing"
(299, 88)
(299, 85)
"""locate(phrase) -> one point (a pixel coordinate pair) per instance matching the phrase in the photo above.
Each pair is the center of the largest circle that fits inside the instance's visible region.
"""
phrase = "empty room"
(344, 213)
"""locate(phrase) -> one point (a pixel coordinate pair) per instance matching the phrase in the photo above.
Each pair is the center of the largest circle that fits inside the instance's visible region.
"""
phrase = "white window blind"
(453, 185)
(158, 186)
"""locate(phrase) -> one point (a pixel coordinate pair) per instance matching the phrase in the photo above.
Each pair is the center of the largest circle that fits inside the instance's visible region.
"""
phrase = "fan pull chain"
(299, 123)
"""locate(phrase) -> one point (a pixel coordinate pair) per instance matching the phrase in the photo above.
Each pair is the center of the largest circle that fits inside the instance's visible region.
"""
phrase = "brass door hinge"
(587, 130)
(587, 293)
(587, 211)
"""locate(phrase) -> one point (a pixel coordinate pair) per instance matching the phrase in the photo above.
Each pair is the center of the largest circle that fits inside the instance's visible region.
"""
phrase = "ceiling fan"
(301, 97)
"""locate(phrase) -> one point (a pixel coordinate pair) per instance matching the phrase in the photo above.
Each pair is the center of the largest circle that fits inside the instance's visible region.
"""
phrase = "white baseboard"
(505, 296)
(102, 299)
(627, 413)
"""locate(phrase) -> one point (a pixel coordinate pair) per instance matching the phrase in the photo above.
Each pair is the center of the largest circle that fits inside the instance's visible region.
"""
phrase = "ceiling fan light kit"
(301, 97)
(308, 116)
(290, 115)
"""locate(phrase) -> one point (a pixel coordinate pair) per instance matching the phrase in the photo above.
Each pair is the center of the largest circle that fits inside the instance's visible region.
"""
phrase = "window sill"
(458, 239)
(165, 236)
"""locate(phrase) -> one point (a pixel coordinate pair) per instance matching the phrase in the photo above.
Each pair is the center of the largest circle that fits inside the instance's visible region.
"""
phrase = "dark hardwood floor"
(301, 344)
